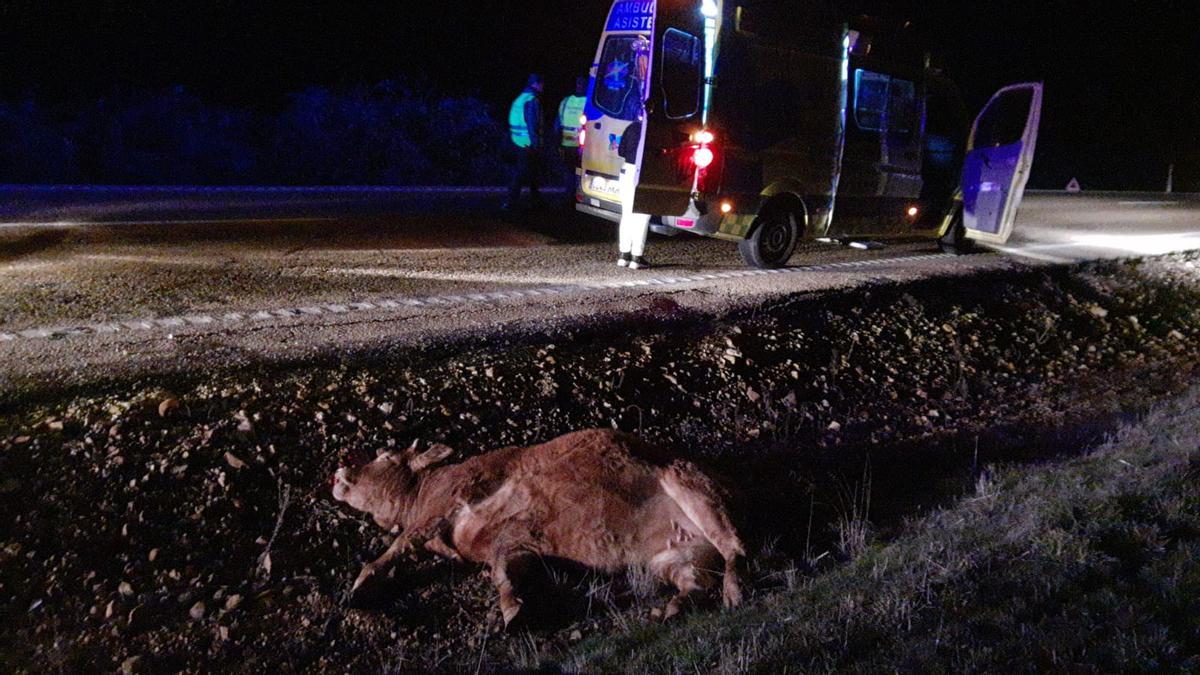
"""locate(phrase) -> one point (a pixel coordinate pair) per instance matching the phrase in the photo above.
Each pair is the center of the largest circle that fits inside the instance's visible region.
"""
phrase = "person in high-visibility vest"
(528, 136)
(569, 126)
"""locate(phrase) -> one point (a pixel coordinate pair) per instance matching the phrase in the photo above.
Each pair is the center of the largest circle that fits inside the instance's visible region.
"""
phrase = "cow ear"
(401, 456)
(435, 455)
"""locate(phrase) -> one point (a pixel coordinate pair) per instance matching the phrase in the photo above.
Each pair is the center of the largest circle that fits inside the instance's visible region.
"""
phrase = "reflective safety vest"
(517, 124)
(569, 113)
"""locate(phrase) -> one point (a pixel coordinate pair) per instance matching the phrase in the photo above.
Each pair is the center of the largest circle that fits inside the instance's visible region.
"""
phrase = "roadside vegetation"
(389, 133)
(1085, 565)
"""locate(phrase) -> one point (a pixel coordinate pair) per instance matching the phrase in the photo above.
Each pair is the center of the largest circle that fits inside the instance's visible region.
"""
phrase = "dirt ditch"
(186, 524)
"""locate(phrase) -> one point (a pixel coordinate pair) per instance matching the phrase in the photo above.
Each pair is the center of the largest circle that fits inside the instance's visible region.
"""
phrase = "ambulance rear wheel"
(773, 242)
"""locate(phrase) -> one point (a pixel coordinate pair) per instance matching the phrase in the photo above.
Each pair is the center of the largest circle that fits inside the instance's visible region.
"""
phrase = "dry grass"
(853, 524)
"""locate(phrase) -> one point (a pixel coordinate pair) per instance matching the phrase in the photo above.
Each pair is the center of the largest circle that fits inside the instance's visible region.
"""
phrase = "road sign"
(1074, 187)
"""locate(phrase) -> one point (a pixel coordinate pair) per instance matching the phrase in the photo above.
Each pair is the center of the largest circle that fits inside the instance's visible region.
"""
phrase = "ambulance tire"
(773, 241)
(955, 241)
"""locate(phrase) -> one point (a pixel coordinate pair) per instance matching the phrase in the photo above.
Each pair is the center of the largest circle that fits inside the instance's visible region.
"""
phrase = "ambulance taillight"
(703, 155)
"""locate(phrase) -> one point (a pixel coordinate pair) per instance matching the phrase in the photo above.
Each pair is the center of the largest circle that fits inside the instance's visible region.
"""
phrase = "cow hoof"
(513, 621)
(673, 609)
(365, 576)
(512, 615)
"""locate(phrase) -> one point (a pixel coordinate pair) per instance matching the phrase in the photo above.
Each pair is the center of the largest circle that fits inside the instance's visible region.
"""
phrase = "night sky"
(1123, 92)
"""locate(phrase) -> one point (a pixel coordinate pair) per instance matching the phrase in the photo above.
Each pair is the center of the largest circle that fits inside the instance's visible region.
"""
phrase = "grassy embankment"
(1088, 565)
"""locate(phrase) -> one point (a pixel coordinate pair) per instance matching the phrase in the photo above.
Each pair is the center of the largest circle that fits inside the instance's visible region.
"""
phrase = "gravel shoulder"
(182, 521)
(114, 283)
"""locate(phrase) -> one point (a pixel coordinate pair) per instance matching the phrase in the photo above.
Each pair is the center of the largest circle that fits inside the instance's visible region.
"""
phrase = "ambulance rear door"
(618, 89)
(675, 109)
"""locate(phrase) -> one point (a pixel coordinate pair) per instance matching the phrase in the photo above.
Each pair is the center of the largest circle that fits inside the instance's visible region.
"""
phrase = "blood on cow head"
(384, 487)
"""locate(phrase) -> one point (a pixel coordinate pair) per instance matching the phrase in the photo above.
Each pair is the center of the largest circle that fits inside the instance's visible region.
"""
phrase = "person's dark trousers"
(526, 172)
(571, 163)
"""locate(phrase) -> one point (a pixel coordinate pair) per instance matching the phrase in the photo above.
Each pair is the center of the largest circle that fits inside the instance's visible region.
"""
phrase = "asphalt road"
(100, 283)
(1057, 227)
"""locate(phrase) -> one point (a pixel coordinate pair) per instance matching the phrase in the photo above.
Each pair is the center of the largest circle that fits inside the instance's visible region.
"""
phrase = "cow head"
(384, 487)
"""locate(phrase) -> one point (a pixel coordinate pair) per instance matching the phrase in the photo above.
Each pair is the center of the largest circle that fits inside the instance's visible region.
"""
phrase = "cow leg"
(506, 568)
(438, 546)
(700, 499)
(687, 579)
(682, 567)
(383, 563)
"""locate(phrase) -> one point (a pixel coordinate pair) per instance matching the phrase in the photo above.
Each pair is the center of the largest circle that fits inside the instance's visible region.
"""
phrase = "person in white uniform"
(635, 227)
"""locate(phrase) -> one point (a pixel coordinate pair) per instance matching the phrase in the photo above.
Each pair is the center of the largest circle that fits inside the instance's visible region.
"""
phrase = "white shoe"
(624, 260)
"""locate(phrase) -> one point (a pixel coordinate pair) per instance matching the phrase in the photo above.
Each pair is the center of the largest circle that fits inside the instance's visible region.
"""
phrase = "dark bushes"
(33, 149)
(387, 134)
(171, 138)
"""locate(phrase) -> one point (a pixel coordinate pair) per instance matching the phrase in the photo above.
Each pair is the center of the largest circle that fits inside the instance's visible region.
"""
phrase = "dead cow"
(598, 498)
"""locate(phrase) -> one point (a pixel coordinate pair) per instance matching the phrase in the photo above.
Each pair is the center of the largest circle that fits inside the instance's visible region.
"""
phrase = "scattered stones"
(197, 611)
(167, 406)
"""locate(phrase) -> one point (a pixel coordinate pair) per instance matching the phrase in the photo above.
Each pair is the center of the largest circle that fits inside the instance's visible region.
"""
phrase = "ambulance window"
(881, 101)
(681, 74)
(619, 86)
(1004, 122)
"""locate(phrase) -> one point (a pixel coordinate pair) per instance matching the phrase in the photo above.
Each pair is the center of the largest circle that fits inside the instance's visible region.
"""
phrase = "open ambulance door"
(999, 159)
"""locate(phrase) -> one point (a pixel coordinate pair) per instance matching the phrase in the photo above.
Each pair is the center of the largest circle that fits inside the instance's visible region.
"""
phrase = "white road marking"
(277, 315)
(68, 224)
(393, 273)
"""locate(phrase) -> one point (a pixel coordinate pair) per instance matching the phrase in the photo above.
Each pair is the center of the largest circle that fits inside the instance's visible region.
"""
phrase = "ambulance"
(767, 123)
